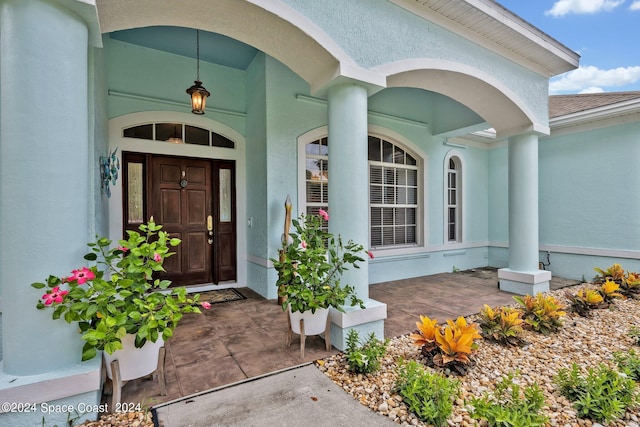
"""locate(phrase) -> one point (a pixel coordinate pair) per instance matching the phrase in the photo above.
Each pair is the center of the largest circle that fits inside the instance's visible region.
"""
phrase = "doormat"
(221, 295)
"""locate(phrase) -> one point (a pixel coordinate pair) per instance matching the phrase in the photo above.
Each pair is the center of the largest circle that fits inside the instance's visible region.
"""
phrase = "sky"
(605, 33)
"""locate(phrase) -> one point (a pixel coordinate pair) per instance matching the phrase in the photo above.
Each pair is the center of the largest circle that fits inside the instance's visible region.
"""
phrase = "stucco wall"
(359, 31)
(588, 204)
(162, 76)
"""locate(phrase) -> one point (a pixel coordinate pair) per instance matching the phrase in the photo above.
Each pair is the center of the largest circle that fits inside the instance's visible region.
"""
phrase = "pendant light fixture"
(197, 92)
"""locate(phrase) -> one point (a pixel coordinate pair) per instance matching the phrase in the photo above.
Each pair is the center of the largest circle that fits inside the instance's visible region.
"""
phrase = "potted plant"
(117, 300)
(310, 267)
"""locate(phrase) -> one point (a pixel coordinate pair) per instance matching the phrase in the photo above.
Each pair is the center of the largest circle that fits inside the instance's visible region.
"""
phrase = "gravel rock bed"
(585, 341)
(124, 419)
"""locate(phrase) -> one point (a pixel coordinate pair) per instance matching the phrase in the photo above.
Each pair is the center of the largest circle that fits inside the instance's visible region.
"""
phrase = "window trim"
(460, 194)
(421, 164)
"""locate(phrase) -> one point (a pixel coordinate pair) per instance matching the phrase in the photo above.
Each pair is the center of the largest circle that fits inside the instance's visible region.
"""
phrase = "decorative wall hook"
(109, 167)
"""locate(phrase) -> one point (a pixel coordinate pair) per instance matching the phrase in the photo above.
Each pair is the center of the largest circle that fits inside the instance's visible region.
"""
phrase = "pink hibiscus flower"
(323, 214)
(55, 295)
(303, 244)
(206, 305)
(370, 254)
(122, 248)
(157, 257)
(81, 275)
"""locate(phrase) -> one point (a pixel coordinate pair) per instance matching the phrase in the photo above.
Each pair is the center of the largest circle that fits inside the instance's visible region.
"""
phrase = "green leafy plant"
(501, 324)
(364, 357)
(449, 345)
(428, 395)
(509, 406)
(584, 301)
(602, 395)
(629, 363)
(123, 298)
(634, 332)
(311, 265)
(542, 313)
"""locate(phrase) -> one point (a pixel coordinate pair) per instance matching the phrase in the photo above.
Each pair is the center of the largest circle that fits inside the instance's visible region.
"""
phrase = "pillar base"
(524, 282)
(55, 397)
(367, 320)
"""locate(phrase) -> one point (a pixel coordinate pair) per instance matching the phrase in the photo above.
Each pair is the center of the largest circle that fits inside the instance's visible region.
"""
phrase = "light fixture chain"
(198, 55)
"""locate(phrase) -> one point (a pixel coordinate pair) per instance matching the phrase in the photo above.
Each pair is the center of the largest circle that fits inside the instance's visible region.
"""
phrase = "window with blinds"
(317, 176)
(393, 194)
(393, 190)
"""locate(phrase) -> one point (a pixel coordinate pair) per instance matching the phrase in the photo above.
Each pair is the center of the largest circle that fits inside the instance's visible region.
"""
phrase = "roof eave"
(551, 57)
(595, 114)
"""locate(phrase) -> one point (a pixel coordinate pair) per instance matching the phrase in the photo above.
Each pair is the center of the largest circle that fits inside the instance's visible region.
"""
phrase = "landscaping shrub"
(603, 395)
(364, 357)
(542, 313)
(428, 395)
(628, 363)
(449, 345)
(501, 324)
(585, 300)
(634, 332)
(609, 291)
(614, 273)
(508, 406)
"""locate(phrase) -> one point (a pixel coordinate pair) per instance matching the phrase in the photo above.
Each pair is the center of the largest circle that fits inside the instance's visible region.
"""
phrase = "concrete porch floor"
(243, 339)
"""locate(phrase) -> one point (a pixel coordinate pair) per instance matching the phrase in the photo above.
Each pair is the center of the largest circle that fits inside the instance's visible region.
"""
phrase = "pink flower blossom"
(303, 244)
(157, 257)
(323, 214)
(206, 305)
(370, 254)
(122, 248)
(56, 295)
(81, 275)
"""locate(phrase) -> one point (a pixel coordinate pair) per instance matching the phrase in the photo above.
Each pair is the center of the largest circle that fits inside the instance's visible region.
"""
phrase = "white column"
(523, 276)
(349, 203)
(348, 175)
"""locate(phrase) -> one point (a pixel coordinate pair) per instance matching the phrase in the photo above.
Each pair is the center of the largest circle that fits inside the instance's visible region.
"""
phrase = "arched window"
(453, 203)
(393, 194)
(394, 188)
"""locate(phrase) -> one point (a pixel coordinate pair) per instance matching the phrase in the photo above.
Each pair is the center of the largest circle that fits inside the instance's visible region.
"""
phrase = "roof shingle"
(562, 105)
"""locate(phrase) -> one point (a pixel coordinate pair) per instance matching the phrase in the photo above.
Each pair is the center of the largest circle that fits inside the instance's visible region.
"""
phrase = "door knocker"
(183, 181)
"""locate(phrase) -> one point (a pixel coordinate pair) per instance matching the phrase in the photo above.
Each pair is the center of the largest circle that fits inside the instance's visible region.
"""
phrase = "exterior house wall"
(588, 200)
(359, 31)
(143, 79)
(257, 233)
(587, 186)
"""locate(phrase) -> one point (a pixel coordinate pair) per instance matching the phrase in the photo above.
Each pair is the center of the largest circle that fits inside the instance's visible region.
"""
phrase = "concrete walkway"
(299, 396)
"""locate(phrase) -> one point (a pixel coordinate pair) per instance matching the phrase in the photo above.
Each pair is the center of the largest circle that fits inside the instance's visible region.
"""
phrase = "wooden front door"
(194, 200)
(181, 201)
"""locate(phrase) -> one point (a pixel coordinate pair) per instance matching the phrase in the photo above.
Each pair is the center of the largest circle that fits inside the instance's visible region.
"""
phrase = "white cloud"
(635, 5)
(565, 7)
(593, 78)
(592, 89)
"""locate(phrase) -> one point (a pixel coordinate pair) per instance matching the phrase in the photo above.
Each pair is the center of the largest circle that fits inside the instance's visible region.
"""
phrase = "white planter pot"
(314, 323)
(134, 362)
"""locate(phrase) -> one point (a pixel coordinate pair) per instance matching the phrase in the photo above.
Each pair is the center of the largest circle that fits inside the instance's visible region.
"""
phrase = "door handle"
(210, 229)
